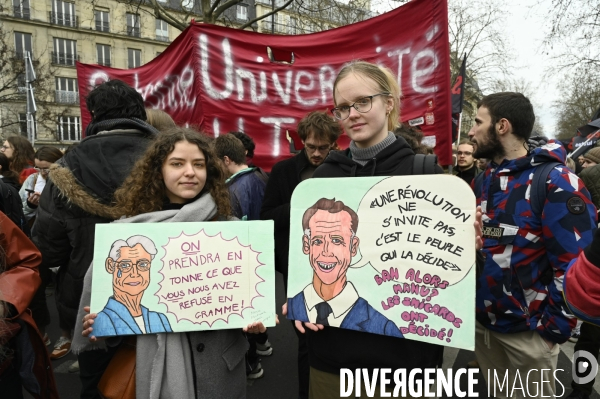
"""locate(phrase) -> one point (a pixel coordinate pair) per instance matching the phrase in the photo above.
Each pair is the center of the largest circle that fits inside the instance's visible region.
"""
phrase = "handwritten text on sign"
(415, 243)
(207, 278)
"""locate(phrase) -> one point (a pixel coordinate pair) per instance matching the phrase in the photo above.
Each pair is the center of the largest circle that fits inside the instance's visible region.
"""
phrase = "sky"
(526, 29)
(525, 24)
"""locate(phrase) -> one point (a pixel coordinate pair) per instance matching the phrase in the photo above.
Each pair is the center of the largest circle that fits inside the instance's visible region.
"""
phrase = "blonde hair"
(159, 119)
(383, 77)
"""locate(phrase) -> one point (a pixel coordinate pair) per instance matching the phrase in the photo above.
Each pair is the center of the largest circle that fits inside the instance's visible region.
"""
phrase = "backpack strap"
(478, 184)
(538, 186)
(424, 164)
(539, 191)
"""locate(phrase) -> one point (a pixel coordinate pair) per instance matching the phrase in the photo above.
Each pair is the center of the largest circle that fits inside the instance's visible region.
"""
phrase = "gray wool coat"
(203, 364)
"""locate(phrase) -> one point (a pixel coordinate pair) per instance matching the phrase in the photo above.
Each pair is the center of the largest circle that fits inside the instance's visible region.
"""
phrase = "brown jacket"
(18, 284)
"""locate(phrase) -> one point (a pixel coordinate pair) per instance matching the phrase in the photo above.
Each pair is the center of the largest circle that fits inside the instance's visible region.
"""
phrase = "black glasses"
(4, 148)
(362, 105)
(313, 148)
(465, 153)
(143, 265)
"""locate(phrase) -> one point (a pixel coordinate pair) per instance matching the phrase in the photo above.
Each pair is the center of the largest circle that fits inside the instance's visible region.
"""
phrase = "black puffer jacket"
(284, 178)
(75, 199)
(335, 348)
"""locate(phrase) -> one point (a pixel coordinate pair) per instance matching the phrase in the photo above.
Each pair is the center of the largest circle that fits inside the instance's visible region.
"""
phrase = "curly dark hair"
(23, 153)
(115, 99)
(321, 125)
(144, 189)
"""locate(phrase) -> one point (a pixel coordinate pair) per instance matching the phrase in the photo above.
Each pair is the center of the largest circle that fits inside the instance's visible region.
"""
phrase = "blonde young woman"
(366, 98)
(177, 180)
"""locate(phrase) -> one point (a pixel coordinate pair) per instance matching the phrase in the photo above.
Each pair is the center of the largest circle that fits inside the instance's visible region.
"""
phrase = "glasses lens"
(363, 105)
(339, 114)
(143, 266)
(124, 266)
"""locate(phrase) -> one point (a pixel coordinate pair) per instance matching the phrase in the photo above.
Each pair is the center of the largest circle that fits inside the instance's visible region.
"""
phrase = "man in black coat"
(318, 132)
(77, 196)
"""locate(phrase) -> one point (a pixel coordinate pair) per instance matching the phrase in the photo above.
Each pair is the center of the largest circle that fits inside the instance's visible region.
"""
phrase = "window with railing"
(63, 13)
(162, 30)
(22, 44)
(68, 128)
(103, 53)
(65, 52)
(134, 58)
(66, 91)
(241, 12)
(102, 22)
(133, 25)
(21, 9)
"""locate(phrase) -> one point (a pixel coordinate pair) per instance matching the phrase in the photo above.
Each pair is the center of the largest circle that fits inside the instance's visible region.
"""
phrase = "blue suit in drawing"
(360, 317)
(115, 319)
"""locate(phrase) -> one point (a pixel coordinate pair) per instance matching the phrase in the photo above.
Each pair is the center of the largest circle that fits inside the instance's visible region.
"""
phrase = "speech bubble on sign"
(413, 222)
(208, 278)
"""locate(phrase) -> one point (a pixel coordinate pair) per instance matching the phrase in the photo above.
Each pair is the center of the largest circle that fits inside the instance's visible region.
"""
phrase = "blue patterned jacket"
(520, 286)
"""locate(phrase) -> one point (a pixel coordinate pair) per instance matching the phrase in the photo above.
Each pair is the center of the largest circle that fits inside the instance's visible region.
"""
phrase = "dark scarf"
(121, 123)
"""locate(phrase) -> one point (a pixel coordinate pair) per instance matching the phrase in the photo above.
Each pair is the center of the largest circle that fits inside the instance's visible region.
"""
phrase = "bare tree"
(575, 31)
(475, 31)
(580, 100)
(179, 13)
(13, 92)
(317, 16)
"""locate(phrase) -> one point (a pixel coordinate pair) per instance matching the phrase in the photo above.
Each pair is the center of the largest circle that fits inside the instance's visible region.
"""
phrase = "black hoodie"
(334, 348)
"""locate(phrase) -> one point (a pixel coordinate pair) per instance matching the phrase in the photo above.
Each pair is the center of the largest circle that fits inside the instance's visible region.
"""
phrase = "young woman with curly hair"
(177, 180)
(151, 187)
(20, 153)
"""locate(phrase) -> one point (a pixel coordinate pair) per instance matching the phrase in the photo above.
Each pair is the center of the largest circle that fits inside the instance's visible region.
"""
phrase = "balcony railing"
(64, 58)
(162, 38)
(102, 26)
(132, 31)
(66, 97)
(22, 12)
(59, 18)
(104, 63)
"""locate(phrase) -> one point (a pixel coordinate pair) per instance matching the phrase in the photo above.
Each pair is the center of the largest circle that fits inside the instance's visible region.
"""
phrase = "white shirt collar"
(340, 304)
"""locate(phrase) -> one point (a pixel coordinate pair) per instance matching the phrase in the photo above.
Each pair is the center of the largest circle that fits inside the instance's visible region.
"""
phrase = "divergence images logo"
(585, 367)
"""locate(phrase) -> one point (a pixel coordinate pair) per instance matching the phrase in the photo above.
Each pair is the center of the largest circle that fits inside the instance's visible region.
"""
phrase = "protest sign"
(386, 255)
(175, 277)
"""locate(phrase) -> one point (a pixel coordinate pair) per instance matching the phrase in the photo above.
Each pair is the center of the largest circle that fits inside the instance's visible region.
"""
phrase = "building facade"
(57, 33)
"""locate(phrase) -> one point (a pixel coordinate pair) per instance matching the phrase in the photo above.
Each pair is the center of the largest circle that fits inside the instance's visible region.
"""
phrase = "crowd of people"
(137, 166)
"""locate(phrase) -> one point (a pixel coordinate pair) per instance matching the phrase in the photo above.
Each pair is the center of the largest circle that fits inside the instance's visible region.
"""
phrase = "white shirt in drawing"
(140, 322)
(340, 305)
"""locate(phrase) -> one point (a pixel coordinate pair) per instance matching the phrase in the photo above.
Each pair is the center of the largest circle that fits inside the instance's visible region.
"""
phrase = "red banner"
(221, 79)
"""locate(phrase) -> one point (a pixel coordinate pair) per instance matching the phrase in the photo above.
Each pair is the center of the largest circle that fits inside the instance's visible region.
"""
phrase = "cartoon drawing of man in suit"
(330, 242)
(129, 263)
